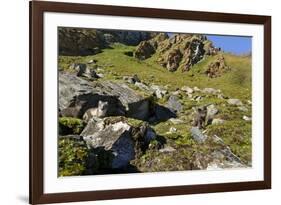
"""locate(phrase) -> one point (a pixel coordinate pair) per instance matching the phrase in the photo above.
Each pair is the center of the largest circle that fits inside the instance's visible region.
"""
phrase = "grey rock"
(142, 86)
(167, 149)
(196, 89)
(217, 121)
(246, 118)
(83, 70)
(211, 112)
(234, 102)
(92, 61)
(187, 89)
(172, 130)
(158, 91)
(198, 135)
(78, 95)
(176, 121)
(219, 158)
(243, 108)
(211, 91)
(115, 137)
(174, 104)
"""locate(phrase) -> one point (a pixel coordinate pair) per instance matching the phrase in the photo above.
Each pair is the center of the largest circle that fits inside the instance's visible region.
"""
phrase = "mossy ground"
(236, 83)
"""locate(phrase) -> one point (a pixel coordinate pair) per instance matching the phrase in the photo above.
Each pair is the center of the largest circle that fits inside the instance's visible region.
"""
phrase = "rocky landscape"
(134, 102)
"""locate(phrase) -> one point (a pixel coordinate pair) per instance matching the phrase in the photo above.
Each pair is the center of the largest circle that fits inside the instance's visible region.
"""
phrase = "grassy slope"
(234, 84)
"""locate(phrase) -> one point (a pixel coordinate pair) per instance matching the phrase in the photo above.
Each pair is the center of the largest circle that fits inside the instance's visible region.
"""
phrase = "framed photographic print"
(139, 102)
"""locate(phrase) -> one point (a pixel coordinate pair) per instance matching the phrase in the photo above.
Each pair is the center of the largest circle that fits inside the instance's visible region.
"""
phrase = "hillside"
(173, 99)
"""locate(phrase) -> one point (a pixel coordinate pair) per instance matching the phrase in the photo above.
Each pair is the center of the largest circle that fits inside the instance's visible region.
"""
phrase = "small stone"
(173, 130)
(196, 89)
(92, 61)
(176, 121)
(211, 91)
(217, 121)
(243, 108)
(142, 86)
(167, 149)
(246, 118)
(187, 89)
(235, 102)
(197, 135)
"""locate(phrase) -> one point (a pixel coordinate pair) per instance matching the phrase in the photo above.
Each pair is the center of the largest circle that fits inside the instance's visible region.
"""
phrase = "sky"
(233, 44)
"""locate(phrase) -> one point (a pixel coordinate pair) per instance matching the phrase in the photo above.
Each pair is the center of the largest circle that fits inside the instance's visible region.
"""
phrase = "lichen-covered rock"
(147, 48)
(182, 51)
(217, 68)
(144, 50)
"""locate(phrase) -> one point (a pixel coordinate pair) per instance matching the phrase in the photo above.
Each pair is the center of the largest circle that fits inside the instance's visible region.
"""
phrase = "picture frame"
(37, 194)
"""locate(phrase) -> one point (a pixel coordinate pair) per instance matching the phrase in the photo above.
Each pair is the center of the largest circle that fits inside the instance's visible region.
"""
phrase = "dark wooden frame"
(37, 9)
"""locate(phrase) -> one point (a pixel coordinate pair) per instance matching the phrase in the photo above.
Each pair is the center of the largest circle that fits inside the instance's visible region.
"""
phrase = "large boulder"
(120, 141)
(77, 95)
(114, 138)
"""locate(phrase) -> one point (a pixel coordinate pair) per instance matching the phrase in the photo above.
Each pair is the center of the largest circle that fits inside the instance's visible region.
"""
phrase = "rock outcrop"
(147, 48)
(82, 41)
(78, 95)
(79, 42)
(179, 51)
(217, 67)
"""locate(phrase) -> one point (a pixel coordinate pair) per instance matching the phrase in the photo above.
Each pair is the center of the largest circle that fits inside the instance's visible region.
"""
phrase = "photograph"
(145, 101)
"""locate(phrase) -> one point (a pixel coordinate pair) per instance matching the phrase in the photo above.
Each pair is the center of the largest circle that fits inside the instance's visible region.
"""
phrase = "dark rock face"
(217, 68)
(78, 95)
(81, 42)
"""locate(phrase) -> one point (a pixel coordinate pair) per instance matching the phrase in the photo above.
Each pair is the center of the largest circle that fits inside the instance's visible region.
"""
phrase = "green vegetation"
(70, 125)
(236, 83)
(237, 135)
(117, 61)
(72, 157)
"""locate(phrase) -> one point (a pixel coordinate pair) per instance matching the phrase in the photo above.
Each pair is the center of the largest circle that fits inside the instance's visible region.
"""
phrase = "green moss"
(134, 122)
(70, 125)
(72, 157)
